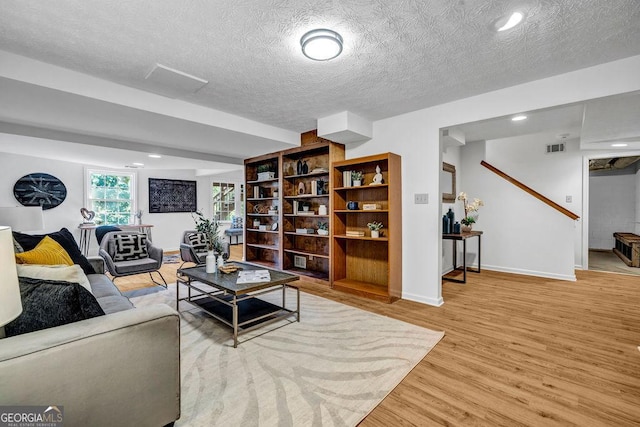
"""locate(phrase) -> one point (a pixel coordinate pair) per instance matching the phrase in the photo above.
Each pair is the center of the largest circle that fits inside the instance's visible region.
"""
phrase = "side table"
(463, 236)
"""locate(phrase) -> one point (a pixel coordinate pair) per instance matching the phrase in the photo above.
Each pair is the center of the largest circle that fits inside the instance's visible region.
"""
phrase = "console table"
(463, 236)
(627, 248)
(86, 229)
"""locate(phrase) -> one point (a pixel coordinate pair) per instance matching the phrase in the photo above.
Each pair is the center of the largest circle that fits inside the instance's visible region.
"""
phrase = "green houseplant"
(210, 228)
(323, 228)
(375, 228)
(356, 178)
(265, 171)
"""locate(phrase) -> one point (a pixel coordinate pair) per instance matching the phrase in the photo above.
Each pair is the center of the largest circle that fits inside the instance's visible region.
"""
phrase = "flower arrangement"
(470, 208)
(375, 226)
(210, 228)
(323, 226)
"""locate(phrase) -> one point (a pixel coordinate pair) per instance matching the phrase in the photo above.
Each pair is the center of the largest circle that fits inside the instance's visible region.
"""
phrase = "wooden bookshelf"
(362, 265)
(314, 249)
(281, 248)
(262, 204)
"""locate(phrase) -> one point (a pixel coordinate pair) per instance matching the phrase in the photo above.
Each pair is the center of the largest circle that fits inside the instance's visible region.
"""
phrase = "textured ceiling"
(399, 56)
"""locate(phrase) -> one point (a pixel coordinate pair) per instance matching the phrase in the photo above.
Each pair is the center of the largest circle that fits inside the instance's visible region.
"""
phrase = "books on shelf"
(355, 233)
(306, 213)
(256, 192)
(371, 206)
(305, 230)
(253, 276)
(346, 179)
(314, 187)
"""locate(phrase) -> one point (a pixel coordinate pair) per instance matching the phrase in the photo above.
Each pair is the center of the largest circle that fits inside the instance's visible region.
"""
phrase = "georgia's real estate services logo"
(31, 416)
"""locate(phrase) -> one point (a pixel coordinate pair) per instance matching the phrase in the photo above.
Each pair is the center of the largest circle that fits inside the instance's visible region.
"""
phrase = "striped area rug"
(331, 369)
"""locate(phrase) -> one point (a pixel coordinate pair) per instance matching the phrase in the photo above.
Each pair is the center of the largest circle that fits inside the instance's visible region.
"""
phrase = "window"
(227, 200)
(111, 195)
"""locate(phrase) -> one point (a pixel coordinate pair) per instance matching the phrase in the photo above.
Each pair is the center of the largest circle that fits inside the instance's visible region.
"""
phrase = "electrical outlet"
(421, 198)
(569, 199)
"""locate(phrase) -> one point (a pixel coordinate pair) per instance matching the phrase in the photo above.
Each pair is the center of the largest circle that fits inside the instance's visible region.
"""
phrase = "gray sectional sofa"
(121, 369)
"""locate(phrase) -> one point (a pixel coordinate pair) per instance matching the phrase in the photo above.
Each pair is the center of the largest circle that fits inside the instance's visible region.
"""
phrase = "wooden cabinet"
(302, 181)
(306, 206)
(263, 237)
(361, 264)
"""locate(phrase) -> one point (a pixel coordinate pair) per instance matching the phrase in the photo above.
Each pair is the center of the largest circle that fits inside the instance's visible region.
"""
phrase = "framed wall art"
(172, 195)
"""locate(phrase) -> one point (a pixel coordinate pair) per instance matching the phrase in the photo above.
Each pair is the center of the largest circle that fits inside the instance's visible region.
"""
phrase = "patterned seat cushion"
(198, 241)
(130, 247)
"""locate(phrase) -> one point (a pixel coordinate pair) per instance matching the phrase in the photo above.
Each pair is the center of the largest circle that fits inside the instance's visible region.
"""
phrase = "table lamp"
(11, 305)
(22, 218)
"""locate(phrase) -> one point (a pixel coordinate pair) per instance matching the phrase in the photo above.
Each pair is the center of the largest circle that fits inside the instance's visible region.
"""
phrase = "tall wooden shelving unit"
(366, 266)
(263, 246)
(284, 248)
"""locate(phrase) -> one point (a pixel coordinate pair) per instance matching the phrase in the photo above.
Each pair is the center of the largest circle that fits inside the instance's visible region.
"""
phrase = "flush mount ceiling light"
(155, 156)
(618, 145)
(321, 44)
(137, 164)
(507, 23)
(518, 118)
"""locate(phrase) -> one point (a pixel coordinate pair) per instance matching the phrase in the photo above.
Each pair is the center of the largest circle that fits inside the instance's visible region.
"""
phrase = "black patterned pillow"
(198, 241)
(129, 247)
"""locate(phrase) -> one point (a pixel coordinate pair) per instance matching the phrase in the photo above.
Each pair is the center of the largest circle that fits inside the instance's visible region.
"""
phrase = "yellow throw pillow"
(47, 252)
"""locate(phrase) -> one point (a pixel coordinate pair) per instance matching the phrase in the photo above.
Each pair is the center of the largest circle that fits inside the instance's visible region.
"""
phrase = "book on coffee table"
(253, 276)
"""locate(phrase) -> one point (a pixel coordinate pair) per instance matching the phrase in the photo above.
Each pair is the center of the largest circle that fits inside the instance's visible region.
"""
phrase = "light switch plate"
(421, 198)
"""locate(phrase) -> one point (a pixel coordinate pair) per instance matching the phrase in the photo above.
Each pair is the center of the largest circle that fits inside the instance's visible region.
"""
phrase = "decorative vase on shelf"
(305, 168)
(375, 234)
(210, 263)
(299, 167)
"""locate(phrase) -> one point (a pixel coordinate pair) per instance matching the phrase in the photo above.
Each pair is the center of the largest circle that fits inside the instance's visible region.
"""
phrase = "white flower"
(462, 196)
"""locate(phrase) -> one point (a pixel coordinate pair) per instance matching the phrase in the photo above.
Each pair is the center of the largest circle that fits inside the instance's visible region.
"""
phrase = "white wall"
(521, 234)
(416, 137)
(612, 207)
(555, 176)
(168, 227)
(451, 155)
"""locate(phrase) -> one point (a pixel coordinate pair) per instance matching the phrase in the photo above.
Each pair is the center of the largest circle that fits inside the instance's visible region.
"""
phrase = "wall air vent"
(555, 148)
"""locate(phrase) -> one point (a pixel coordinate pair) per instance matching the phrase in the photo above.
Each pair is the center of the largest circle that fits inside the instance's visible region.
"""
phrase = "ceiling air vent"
(555, 148)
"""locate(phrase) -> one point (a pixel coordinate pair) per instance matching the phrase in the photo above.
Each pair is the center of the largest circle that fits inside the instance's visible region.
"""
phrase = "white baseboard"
(567, 277)
(436, 302)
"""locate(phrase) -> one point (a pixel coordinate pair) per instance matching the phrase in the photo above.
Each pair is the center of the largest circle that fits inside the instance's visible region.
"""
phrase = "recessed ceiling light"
(618, 145)
(321, 44)
(505, 23)
(518, 118)
(155, 156)
(137, 164)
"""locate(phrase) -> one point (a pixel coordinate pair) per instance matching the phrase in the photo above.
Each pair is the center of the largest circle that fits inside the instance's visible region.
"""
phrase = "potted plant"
(265, 172)
(356, 178)
(470, 209)
(375, 228)
(323, 228)
(210, 229)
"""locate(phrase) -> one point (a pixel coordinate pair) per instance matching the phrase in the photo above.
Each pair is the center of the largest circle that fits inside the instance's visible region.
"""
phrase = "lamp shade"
(10, 303)
(22, 218)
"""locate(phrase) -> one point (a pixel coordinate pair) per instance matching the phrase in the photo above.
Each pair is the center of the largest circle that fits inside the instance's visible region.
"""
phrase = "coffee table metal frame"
(237, 295)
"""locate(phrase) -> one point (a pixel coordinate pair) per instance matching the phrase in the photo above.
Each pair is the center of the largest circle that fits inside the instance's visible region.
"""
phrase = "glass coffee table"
(237, 304)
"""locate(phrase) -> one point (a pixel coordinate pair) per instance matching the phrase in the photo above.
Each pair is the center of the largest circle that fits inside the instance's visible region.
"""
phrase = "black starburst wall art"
(40, 189)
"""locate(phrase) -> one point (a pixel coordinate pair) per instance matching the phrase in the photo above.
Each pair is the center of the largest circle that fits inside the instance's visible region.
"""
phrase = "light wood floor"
(518, 350)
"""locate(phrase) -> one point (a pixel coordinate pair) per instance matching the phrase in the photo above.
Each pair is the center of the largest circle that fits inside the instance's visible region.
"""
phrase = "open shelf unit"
(308, 254)
(262, 208)
(279, 199)
(362, 265)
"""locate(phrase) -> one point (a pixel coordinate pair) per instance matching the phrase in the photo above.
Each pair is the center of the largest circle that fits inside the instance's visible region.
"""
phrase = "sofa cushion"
(46, 304)
(136, 266)
(64, 273)
(66, 240)
(115, 303)
(102, 286)
(46, 252)
(198, 241)
(130, 247)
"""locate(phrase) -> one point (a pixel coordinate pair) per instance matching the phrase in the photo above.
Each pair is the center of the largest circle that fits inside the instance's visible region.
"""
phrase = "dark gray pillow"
(47, 303)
